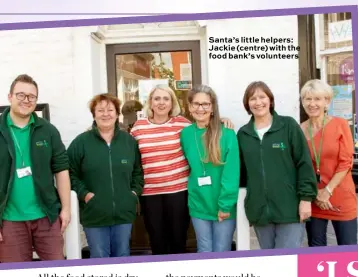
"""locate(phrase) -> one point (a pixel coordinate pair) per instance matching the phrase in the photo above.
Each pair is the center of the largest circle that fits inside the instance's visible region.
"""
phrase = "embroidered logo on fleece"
(42, 143)
(281, 146)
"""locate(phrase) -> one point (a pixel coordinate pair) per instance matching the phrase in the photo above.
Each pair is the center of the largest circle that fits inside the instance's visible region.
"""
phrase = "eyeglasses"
(204, 105)
(22, 96)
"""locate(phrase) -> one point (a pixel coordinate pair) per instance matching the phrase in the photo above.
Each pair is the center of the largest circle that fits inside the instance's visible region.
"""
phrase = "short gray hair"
(317, 87)
(175, 111)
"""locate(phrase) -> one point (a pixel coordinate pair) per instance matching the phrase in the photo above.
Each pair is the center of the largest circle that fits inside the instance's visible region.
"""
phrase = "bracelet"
(328, 190)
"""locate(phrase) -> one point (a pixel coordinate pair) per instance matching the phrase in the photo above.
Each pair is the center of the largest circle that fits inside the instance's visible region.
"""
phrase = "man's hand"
(65, 217)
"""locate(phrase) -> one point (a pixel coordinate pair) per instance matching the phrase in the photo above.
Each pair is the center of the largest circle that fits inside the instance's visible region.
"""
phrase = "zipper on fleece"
(112, 184)
(264, 177)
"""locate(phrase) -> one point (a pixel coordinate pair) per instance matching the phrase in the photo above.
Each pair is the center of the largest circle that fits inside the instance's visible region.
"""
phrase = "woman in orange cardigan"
(331, 146)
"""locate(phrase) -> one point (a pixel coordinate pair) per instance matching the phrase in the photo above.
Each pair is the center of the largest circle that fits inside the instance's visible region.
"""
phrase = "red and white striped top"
(165, 168)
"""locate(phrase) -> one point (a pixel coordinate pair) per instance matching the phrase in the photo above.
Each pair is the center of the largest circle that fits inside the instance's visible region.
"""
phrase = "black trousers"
(346, 232)
(166, 219)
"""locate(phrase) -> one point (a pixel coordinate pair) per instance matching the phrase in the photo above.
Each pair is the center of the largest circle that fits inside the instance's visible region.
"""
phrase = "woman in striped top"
(166, 171)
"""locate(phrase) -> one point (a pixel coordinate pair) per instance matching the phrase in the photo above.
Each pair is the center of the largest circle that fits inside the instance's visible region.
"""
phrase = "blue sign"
(342, 102)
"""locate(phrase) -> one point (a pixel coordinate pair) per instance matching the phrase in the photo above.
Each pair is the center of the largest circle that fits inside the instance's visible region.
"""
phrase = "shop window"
(337, 30)
(336, 61)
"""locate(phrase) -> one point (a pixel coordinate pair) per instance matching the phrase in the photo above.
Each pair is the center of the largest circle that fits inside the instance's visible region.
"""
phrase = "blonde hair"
(212, 134)
(317, 87)
(175, 110)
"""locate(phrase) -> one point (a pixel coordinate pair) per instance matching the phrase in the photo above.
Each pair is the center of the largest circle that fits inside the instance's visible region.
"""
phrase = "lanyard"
(201, 159)
(18, 147)
(317, 157)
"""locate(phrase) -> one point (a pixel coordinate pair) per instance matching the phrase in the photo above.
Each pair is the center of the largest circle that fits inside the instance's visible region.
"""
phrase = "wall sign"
(346, 70)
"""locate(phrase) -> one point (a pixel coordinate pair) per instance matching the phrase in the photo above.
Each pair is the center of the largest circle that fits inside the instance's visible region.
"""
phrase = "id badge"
(23, 172)
(318, 177)
(204, 181)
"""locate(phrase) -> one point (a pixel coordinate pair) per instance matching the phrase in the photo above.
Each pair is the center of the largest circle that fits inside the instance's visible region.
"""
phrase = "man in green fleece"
(33, 212)
(212, 152)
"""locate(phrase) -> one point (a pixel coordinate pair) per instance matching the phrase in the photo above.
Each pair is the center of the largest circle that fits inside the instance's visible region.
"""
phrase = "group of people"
(298, 177)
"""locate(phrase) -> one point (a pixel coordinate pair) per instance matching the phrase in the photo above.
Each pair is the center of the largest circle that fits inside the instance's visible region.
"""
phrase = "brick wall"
(55, 59)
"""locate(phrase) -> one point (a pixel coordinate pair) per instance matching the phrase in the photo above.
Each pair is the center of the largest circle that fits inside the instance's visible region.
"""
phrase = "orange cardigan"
(336, 156)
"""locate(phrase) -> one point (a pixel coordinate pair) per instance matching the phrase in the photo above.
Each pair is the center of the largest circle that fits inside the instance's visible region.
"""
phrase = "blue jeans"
(111, 241)
(346, 232)
(214, 236)
(273, 236)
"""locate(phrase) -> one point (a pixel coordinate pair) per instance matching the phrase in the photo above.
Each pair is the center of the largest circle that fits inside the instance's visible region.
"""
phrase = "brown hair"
(250, 91)
(23, 78)
(212, 134)
(109, 98)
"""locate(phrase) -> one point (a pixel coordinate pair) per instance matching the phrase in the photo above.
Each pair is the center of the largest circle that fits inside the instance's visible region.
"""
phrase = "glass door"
(138, 73)
(132, 71)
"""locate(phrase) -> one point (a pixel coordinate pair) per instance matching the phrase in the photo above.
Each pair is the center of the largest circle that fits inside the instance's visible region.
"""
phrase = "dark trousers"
(346, 232)
(166, 219)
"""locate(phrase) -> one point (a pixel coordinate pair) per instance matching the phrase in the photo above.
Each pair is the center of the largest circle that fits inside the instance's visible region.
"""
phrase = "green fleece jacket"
(277, 171)
(48, 157)
(112, 173)
(207, 200)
